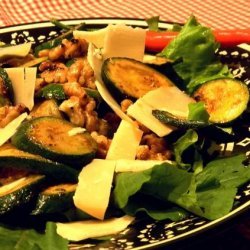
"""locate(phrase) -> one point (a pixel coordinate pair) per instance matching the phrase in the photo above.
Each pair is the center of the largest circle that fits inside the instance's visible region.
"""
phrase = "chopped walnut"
(9, 113)
(153, 148)
(125, 104)
(53, 72)
(103, 144)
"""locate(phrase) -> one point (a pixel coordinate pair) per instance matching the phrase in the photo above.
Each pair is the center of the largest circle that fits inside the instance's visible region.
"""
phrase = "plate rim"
(141, 22)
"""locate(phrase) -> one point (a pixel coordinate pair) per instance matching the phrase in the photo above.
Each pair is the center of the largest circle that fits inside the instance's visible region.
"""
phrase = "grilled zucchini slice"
(46, 108)
(14, 158)
(126, 77)
(225, 99)
(19, 192)
(55, 199)
(49, 137)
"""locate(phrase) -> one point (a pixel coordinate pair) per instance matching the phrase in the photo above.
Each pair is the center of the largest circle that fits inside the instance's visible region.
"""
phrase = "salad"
(97, 133)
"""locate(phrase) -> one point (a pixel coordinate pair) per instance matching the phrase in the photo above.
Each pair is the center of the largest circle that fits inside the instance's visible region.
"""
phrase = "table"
(226, 14)
(218, 14)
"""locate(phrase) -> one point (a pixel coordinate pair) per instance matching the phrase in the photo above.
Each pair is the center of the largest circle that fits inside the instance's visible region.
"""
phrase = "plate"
(147, 233)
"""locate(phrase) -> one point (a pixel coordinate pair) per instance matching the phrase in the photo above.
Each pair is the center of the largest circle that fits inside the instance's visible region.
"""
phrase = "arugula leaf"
(183, 143)
(194, 51)
(153, 23)
(208, 193)
(154, 208)
(30, 239)
(197, 112)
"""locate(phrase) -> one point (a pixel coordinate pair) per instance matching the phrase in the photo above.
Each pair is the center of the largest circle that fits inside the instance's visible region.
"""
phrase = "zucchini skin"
(59, 200)
(20, 197)
(169, 119)
(53, 170)
(137, 76)
(225, 99)
(24, 140)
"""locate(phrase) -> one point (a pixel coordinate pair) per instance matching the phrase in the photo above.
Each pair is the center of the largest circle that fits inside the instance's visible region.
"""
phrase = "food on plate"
(95, 133)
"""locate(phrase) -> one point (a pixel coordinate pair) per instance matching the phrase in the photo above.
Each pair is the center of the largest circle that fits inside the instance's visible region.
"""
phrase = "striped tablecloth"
(220, 14)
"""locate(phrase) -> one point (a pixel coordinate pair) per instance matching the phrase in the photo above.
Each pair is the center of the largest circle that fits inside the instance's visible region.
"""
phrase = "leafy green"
(182, 144)
(30, 239)
(153, 23)
(197, 112)
(154, 208)
(194, 51)
(209, 192)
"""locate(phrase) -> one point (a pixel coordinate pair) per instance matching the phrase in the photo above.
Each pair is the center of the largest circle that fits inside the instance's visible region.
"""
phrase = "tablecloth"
(220, 14)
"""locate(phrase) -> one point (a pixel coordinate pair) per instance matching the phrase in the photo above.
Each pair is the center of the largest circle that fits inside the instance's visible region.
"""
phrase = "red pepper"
(157, 41)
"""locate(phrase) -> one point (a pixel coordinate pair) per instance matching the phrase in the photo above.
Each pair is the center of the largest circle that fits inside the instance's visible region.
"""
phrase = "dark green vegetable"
(30, 239)
(225, 99)
(52, 91)
(94, 94)
(126, 77)
(176, 121)
(14, 158)
(7, 85)
(54, 42)
(50, 138)
(55, 199)
(59, 24)
(209, 194)
(19, 192)
(46, 108)
(194, 49)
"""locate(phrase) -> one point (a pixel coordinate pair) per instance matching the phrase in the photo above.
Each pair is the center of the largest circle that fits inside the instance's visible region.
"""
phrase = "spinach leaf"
(30, 239)
(182, 144)
(194, 51)
(197, 112)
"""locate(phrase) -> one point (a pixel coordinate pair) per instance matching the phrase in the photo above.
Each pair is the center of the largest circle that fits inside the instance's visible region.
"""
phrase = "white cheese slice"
(94, 187)
(96, 37)
(169, 99)
(23, 82)
(136, 165)
(124, 41)
(125, 142)
(10, 129)
(20, 50)
(81, 230)
(142, 112)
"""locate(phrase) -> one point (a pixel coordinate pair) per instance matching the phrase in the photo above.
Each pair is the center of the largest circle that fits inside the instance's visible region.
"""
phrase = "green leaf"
(154, 208)
(197, 112)
(30, 239)
(128, 184)
(183, 143)
(228, 171)
(194, 52)
(153, 23)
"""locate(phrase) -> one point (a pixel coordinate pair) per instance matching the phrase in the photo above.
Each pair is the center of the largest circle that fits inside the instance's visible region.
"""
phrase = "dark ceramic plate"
(146, 233)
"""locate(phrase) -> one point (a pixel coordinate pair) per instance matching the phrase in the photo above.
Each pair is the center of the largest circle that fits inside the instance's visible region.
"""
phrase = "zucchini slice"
(15, 158)
(126, 77)
(46, 108)
(19, 192)
(49, 137)
(52, 91)
(55, 199)
(225, 99)
(179, 122)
